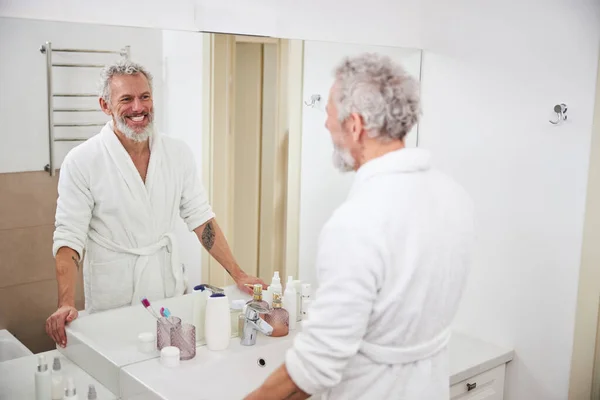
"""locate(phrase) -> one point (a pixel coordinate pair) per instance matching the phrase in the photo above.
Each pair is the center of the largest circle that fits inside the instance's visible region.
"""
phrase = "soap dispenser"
(278, 318)
(257, 298)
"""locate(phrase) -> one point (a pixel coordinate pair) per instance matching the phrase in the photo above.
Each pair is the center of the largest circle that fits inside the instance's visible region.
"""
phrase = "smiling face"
(130, 105)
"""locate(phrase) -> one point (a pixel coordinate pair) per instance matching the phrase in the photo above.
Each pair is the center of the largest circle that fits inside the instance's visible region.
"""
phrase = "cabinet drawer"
(488, 385)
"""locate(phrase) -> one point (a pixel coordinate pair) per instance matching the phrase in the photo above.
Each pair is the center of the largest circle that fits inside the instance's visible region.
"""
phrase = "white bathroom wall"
(174, 14)
(492, 73)
(487, 110)
(182, 116)
(322, 187)
(23, 98)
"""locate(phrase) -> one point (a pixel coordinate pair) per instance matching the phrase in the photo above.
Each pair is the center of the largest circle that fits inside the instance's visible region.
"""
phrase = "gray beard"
(342, 159)
(133, 135)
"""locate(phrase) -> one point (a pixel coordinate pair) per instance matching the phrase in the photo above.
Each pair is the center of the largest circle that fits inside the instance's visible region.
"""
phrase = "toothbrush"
(147, 306)
(165, 312)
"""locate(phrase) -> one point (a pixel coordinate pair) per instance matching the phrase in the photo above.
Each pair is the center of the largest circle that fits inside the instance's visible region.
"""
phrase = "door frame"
(210, 270)
(585, 359)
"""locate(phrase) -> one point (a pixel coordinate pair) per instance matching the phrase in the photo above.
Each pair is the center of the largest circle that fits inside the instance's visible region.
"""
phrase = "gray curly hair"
(381, 91)
(121, 67)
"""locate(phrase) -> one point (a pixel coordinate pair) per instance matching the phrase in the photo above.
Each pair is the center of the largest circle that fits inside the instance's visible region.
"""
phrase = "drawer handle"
(471, 386)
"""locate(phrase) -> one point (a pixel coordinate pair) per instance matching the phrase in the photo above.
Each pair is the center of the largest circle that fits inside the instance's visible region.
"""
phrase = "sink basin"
(212, 375)
(11, 347)
(102, 343)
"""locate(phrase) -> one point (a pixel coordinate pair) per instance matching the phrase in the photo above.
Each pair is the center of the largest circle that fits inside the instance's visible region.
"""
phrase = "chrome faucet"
(253, 324)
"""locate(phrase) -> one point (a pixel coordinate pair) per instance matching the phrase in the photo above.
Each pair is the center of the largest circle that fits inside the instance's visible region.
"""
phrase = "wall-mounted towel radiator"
(48, 50)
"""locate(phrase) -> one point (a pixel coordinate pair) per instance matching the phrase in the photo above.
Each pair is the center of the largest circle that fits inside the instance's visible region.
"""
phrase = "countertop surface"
(17, 378)
(468, 357)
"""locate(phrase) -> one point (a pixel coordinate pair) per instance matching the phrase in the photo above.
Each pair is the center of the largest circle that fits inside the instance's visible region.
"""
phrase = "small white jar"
(169, 356)
(146, 342)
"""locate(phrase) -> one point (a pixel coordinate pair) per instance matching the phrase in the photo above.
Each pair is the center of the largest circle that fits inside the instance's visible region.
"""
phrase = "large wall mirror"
(252, 110)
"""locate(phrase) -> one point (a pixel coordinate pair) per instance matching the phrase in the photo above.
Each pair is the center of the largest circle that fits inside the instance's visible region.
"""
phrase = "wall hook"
(314, 100)
(561, 113)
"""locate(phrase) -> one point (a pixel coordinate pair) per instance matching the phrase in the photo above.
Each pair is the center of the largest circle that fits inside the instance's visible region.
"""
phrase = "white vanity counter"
(17, 378)
(105, 346)
(236, 371)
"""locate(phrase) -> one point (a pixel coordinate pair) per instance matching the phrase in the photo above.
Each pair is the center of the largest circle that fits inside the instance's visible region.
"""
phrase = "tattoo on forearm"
(208, 236)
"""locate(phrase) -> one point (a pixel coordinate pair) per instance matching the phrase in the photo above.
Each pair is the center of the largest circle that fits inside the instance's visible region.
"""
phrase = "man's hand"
(55, 324)
(278, 386)
(243, 280)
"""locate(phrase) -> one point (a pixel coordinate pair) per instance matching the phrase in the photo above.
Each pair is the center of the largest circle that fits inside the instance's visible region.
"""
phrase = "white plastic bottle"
(58, 385)
(43, 380)
(289, 301)
(217, 324)
(306, 292)
(70, 391)
(199, 297)
(276, 284)
(298, 288)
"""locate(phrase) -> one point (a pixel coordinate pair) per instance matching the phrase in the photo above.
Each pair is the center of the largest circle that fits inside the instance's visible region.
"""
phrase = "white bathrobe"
(126, 226)
(391, 264)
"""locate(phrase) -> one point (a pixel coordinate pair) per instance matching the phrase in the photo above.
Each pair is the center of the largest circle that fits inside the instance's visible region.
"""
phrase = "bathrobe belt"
(167, 240)
(405, 355)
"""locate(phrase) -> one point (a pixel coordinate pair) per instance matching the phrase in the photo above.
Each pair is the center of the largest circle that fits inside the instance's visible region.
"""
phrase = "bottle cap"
(70, 390)
(92, 395)
(276, 279)
(42, 365)
(56, 364)
(257, 289)
(306, 289)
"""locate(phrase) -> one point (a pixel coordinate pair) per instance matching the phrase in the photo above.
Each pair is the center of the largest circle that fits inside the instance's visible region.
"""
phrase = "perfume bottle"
(258, 298)
(278, 318)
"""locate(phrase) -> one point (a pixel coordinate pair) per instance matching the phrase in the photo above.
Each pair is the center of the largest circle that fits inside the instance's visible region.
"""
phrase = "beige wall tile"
(26, 255)
(28, 199)
(25, 308)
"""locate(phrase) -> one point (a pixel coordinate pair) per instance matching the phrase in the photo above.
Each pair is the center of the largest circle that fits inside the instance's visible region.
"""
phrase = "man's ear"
(104, 106)
(357, 126)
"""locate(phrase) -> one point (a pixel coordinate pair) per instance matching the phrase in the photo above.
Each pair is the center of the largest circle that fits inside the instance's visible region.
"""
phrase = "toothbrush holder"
(164, 330)
(184, 338)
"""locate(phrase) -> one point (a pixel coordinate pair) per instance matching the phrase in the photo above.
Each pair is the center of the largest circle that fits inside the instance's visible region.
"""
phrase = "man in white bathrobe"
(120, 195)
(392, 259)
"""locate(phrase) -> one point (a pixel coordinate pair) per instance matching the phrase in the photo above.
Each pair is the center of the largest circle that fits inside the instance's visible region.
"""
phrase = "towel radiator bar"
(48, 50)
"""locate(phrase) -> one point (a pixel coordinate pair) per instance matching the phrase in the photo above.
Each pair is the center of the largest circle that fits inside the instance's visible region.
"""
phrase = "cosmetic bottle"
(217, 324)
(70, 391)
(289, 301)
(278, 318)
(276, 283)
(58, 386)
(298, 288)
(92, 395)
(258, 299)
(43, 380)
(235, 309)
(306, 293)
(200, 296)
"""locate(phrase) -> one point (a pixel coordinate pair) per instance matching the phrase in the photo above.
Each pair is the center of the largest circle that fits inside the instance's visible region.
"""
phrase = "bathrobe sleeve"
(73, 207)
(350, 273)
(194, 208)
